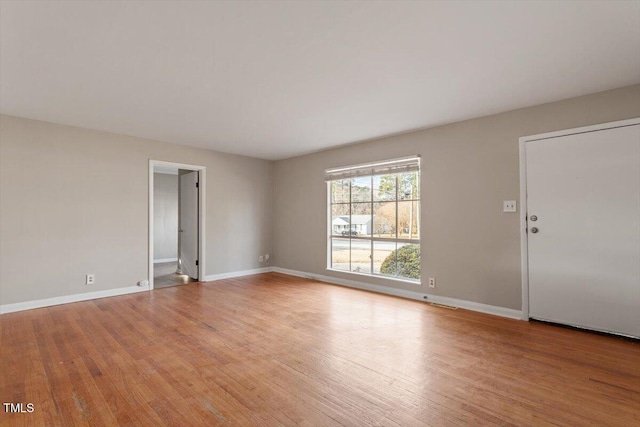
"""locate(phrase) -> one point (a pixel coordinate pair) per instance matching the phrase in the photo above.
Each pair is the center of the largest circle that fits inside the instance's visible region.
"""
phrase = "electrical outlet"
(266, 257)
(260, 258)
(509, 206)
(90, 279)
(432, 282)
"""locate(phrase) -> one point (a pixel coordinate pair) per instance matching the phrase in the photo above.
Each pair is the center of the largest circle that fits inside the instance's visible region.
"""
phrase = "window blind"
(403, 164)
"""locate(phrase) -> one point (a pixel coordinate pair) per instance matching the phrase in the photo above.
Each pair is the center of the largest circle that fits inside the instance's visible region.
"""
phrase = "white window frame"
(372, 167)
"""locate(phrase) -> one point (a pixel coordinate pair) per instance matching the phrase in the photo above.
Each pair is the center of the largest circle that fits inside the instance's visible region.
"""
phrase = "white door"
(188, 223)
(583, 207)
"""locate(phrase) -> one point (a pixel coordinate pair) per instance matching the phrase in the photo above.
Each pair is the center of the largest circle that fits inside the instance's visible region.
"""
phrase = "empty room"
(319, 213)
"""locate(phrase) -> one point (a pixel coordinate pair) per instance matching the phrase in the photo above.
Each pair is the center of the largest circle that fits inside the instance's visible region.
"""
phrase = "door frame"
(524, 242)
(202, 208)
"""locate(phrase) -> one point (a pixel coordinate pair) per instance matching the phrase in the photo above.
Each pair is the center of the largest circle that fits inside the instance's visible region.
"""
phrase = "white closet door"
(189, 224)
(583, 191)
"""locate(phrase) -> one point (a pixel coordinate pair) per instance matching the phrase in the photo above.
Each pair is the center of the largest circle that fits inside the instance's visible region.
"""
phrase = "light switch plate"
(509, 206)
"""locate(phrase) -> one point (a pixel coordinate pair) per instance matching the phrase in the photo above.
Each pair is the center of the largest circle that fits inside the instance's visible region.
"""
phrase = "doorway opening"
(176, 225)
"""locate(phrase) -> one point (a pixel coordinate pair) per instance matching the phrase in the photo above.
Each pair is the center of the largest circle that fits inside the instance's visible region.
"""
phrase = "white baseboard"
(158, 261)
(230, 275)
(420, 296)
(47, 302)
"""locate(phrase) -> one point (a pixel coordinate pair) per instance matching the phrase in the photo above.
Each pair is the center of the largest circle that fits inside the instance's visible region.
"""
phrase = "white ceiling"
(275, 79)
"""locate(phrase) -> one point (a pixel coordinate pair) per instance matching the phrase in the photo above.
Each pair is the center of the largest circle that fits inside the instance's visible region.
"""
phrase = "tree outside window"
(375, 225)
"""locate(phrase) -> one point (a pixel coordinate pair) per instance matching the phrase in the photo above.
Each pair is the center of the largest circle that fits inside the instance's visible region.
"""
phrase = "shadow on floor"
(164, 275)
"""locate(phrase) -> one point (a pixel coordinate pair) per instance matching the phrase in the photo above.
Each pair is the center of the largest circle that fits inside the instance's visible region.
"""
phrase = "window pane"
(340, 254)
(384, 258)
(361, 256)
(384, 187)
(408, 186)
(385, 208)
(361, 189)
(340, 218)
(340, 191)
(408, 259)
(361, 219)
(408, 220)
(384, 219)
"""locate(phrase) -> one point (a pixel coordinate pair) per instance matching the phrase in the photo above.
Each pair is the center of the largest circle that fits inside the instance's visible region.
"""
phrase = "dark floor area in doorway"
(164, 275)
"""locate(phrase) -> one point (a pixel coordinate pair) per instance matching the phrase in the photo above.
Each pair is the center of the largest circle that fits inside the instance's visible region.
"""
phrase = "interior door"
(583, 207)
(188, 223)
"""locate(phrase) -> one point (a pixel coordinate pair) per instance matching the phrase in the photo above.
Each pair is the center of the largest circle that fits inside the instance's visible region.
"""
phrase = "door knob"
(534, 230)
(533, 218)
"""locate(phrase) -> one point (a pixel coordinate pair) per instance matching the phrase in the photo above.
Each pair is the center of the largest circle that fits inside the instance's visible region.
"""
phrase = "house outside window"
(374, 219)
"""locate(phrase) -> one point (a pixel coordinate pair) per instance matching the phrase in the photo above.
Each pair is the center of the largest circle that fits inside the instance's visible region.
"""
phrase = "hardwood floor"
(272, 349)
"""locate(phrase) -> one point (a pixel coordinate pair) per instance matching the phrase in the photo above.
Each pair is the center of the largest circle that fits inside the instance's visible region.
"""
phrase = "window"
(374, 218)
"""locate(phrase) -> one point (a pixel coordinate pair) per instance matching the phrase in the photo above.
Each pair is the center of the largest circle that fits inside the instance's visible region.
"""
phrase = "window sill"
(377, 276)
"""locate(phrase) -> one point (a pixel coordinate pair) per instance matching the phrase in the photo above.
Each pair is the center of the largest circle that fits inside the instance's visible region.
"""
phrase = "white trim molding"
(232, 274)
(159, 261)
(48, 302)
(202, 213)
(524, 243)
(419, 296)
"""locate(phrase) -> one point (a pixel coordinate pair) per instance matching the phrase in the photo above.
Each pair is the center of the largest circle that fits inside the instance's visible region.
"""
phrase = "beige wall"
(468, 169)
(165, 219)
(75, 201)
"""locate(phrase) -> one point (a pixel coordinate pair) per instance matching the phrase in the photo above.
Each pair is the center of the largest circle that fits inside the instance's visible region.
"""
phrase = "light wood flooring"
(274, 350)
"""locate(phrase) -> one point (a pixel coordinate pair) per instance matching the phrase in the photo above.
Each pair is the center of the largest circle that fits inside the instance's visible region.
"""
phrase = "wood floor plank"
(272, 350)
